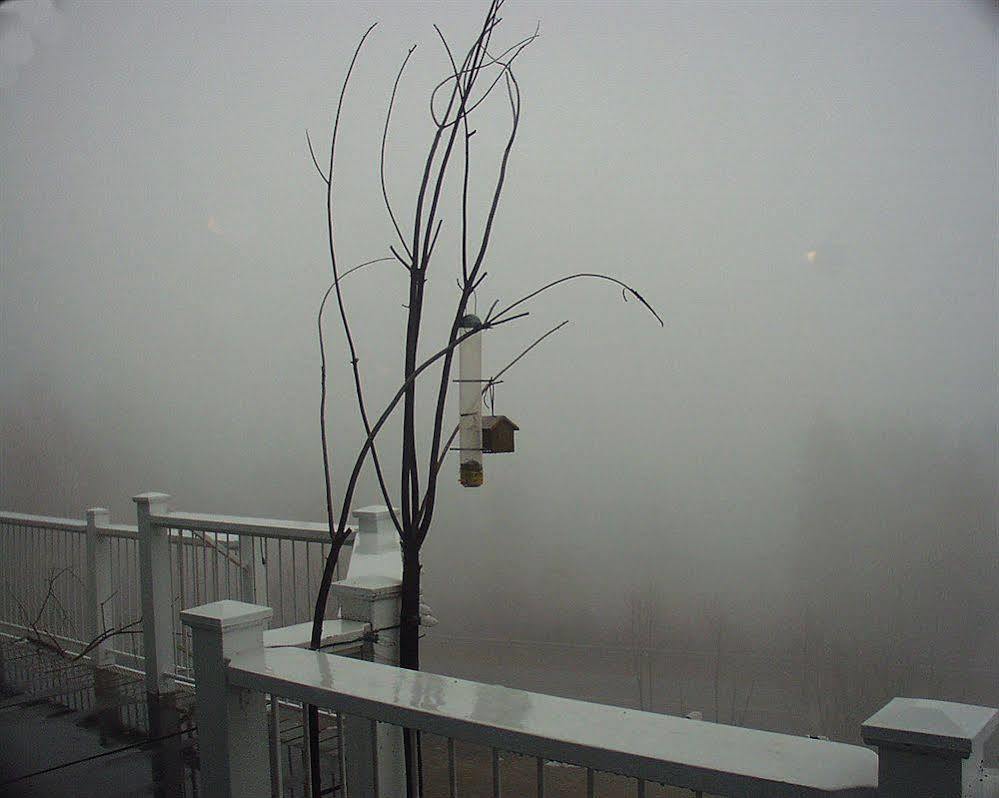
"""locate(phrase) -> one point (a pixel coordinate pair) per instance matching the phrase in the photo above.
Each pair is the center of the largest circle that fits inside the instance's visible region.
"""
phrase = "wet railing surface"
(647, 747)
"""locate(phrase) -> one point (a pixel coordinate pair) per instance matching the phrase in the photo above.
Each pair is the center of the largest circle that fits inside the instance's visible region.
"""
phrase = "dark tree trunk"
(409, 612)
(409, 654)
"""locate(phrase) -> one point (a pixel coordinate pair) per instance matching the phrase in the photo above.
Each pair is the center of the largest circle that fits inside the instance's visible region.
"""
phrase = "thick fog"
(803, 460)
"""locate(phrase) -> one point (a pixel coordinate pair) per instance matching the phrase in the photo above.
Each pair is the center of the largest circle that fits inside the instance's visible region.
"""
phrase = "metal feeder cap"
(471, 321)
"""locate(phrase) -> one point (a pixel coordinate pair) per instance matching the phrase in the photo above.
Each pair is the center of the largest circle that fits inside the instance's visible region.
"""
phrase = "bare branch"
(471, 283)
(312, 152)
(381, 160)
(493, 381)
(358, 388)
(608, 278)
(516, 49)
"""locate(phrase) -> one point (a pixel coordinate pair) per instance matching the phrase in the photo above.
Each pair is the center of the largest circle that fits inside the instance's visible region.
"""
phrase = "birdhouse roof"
(488, 422)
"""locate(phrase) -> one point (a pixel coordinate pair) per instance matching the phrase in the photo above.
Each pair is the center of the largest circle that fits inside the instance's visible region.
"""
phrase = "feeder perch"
(497, 434)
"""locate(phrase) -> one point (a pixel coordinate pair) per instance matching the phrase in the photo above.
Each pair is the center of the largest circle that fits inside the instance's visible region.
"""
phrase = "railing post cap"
(371, 587)
(93, 512)
(151, 497)
(375, 511)
(924, 723)
(226, 615)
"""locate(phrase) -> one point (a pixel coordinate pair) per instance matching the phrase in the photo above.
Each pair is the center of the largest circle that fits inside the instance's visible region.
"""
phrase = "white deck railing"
(67, 584)
(658, 749)
(42, 577)
(926, 748)
(67, 581)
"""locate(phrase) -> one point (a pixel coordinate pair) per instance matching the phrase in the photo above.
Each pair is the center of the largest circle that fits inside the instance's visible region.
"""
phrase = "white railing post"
(253, 573)
(99, 618)
(376, 547)
(98, 581)
(373, 761)
(232, 722)
(154, 578)
(930, 749)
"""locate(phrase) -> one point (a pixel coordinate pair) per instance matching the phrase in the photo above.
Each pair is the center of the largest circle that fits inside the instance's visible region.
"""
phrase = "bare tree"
(644, 609)
(483, 72)
(39, 636)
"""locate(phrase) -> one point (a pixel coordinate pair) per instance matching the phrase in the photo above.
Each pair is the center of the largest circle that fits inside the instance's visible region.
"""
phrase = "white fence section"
(72, 582)
(927, 749)
(43, 571)
(180, 596)
(216, 557)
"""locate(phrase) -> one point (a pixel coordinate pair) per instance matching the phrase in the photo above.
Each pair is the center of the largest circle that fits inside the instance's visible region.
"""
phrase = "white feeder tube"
(470, 407)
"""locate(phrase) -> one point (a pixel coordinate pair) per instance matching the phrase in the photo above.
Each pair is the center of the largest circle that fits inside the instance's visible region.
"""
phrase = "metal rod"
(274, 748)
(281, 579)
(373, 726)
(541, 777)
(294, 583)
(452, 771)
(228, 571)
(591, 783)
(341, 754)
(497, 782)
(306, 753)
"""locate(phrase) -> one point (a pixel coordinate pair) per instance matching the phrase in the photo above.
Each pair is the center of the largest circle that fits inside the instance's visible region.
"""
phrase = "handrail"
(126, 531)
(43, 521)
(714, 758)
(309, 531)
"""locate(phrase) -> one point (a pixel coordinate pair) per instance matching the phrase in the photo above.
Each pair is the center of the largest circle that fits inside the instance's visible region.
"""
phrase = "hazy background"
(800, 468)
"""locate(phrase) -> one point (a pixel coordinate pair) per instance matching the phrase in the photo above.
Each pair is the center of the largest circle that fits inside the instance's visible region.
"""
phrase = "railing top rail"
(311, 531)
(687, 753)
(43, 521)
(129, 531)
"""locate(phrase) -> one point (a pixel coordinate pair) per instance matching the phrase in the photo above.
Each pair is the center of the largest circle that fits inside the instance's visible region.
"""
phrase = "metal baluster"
(541, 777)
(216, 550)
(33, 550)
(294, 584)
(284, 622)
(37, 557)
(59, 616)
(50, 542)
(452, 771)
(497, 783)
(57, 622)
(274, 748)
(307, 754)
(4, 562)
(61, 541)
(195, 582)
(591, 783)
(175, 639)
(204, 562)
(373, 726)
(78, 559)
(108, 618)
(308, 569)
(181, 574)
(641, 788)
(132, 590)
(341, 754)
(228, 570)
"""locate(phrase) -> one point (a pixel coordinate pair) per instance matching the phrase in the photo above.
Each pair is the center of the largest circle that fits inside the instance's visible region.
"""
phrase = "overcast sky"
(805, 191)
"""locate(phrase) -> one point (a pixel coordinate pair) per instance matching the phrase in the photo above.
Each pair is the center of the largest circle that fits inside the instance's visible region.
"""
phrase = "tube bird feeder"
(470, 404)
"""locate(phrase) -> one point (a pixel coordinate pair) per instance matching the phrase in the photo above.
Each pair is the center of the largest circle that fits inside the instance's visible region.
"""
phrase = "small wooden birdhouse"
(497, 434)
